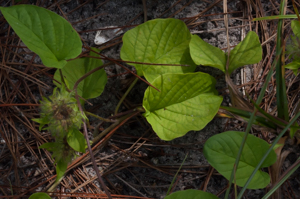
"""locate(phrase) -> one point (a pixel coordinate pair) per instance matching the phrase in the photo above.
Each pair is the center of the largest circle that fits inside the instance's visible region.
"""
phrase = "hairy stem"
(90, 150)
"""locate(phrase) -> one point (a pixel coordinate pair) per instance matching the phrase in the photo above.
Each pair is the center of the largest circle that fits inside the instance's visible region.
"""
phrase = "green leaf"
(276, 146)
(159, 41)
(249, 51)
(40, 195)
(221, 151)
(186, 102)
(61, 168)
(294, 66)
(276, 17)
(50, 146)
(205, 54)
(45, 33)
(296, 27)
(191, 194)
(90, 87)
(292, 48)
(42, 121)
(294, 130)
(76, 140)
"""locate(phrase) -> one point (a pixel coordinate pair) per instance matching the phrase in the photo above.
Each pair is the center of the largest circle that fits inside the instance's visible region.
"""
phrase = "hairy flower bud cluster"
(64, 119)
(61, 112)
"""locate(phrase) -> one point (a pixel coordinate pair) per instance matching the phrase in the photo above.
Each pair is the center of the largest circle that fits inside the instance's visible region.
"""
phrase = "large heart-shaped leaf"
(90, 87)
(205, 54)
(186, 102)
(191, 194)
(45, 33)
(248, 51)
(158, 41)
(221, 151)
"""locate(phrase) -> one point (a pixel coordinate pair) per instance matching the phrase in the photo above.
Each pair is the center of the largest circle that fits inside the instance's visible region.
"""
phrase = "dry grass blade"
(276, 168)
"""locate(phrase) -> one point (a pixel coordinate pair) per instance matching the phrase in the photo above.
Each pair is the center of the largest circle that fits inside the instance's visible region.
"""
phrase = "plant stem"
(145, 10)
(87, 74)
(90, 149)
(281, 98)
(125, 94)
(276, 17)
(55, 184)
(85, 128)
(62, 79)
(103, 133)
(98, 117)
(171, 185)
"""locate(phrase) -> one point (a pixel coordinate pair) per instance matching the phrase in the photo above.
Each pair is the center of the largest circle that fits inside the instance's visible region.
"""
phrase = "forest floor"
(133, 161)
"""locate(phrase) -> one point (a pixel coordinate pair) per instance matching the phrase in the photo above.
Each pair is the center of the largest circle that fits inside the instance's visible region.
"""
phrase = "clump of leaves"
(63, 117)
(293, 48)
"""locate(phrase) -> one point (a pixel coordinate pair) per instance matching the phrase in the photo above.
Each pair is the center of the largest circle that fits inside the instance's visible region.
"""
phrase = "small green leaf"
(249, 51)
(294, 130)
(61, 168)
(158, 41)
(76, 140)
(276, 146)
(205, 54)
(90, 87)
(292, 48)
(294, 66)
(50, 146)
(296, 27)
(40, 195)
(221, 151)
(186, 102)
(191, 194)
(45, 33)
(42, 121)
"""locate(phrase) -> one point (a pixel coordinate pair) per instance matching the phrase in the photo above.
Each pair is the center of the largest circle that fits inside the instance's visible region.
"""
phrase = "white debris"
(103, 36)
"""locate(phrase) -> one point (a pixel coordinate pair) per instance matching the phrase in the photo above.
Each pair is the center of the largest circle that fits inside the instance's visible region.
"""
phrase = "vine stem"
(90, 149)
(125, 94)
(111, 128)
(145, 10)
(115, 62)
(87, 74)
(85, 127)
(98, 117)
